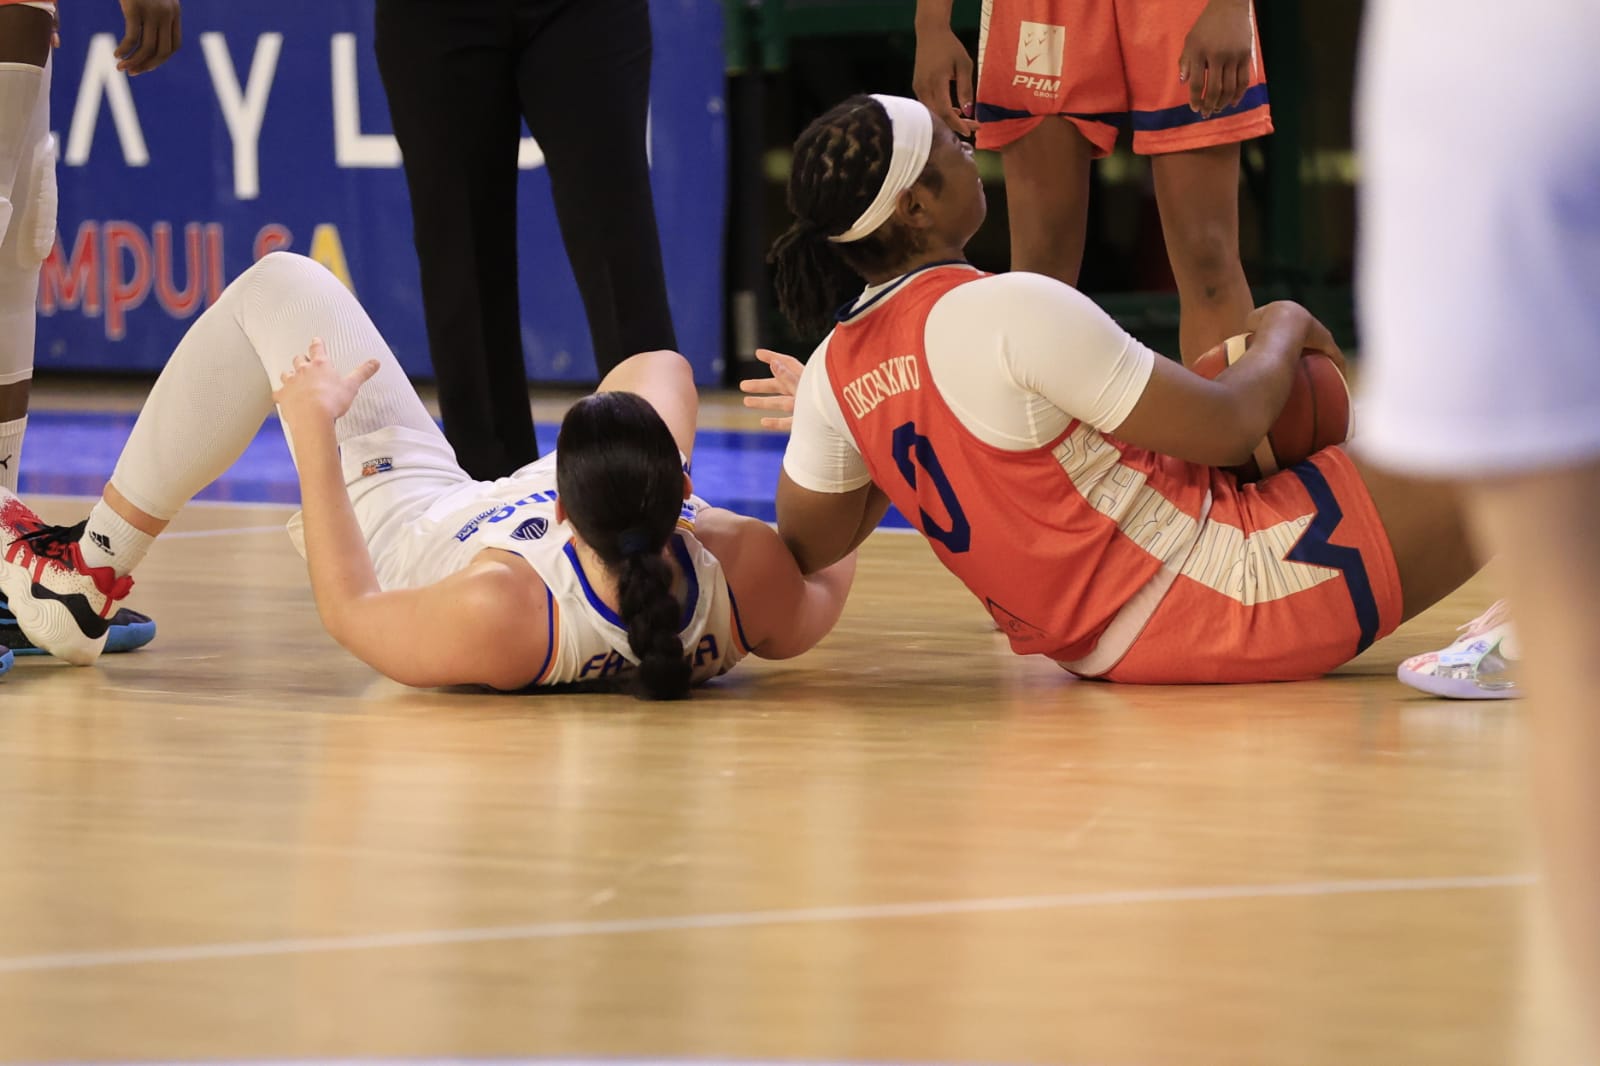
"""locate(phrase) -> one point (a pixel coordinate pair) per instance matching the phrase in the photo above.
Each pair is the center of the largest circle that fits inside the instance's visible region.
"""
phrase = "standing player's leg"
(449, 77)
(1043, 65)
(1195, 153)
(1427, 529)
(1541, 527)
(204, 409)
(1047, 198)
(27, 212)
(1469, 254)
(1197, 192)
(598, 158)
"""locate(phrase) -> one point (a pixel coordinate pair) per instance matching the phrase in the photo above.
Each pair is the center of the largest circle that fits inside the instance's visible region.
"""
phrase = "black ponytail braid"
(621, 482)
(650, 614)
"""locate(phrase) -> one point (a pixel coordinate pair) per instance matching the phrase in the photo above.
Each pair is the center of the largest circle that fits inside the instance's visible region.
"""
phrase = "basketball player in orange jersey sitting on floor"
(1056, 80)
(1068, 475)
(591, 564)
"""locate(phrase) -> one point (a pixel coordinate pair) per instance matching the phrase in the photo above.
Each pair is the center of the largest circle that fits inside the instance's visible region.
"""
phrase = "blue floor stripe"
(71, 453)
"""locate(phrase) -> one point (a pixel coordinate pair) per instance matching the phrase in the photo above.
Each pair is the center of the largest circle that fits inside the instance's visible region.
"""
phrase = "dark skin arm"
(820, 528)
(1218, 60)
(1219, 423)
(942, 61)
(153, 31)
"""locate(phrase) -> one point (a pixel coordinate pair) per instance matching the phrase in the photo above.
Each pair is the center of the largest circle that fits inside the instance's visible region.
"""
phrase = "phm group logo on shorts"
(377, 466)
(1041, 48)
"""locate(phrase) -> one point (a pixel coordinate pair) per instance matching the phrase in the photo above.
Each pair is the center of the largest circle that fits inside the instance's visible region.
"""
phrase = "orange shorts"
(1291, 577)
(1103, 65)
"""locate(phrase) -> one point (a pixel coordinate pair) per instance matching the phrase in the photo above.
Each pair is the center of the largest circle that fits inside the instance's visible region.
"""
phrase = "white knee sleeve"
(216, 390)
(22, 87)
(27, 209)
(36, 224)
(290, 300)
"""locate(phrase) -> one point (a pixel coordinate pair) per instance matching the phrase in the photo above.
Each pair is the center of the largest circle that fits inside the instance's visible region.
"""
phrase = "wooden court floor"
(908, 846)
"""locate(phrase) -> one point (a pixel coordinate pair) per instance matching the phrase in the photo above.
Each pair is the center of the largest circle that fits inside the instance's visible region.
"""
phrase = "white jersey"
(425, 520)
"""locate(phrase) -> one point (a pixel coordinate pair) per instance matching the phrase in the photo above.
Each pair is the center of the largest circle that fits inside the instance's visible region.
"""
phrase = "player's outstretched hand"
(777, 392)
(1218, 61)
(313, 388)
(154, 31)
(942, 59)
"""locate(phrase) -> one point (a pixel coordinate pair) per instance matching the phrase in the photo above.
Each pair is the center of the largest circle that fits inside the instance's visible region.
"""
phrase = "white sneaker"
(1480, 665)
(61, 604)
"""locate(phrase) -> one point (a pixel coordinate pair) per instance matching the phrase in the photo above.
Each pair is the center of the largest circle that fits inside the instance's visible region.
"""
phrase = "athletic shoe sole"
(61, 626)
(1457, 688)
(129, 631)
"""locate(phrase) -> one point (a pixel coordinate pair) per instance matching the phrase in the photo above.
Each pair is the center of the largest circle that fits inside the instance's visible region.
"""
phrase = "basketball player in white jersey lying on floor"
(1064, 472)
(594, 562)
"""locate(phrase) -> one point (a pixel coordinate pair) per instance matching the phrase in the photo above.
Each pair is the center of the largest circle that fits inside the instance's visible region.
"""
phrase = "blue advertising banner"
(268, 130)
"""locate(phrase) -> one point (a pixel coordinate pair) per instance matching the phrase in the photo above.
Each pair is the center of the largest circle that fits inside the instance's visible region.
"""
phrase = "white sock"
(108, 540)
(11, 451)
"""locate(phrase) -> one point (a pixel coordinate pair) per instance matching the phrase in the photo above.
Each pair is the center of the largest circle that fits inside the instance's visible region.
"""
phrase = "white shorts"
(1480, 252)
(399, 481)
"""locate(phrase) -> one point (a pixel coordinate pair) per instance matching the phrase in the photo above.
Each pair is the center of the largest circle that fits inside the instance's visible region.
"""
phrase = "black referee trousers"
(461, 76)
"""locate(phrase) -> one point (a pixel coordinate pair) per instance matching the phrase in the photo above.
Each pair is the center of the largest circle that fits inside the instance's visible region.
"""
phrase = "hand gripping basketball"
(1315, 416)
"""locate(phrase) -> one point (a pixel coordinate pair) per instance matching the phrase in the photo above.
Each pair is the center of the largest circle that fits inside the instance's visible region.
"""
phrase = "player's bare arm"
(820, 528)
(471, 628)
(942, 61)
(1219, 422)
(153, 32)
(784, 611)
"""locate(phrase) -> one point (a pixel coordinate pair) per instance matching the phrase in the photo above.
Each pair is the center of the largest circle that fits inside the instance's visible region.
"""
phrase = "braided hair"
(621, 482)
(839, 164)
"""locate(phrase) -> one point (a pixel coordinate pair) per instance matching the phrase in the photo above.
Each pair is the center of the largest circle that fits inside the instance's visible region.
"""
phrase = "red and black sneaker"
(61, 604)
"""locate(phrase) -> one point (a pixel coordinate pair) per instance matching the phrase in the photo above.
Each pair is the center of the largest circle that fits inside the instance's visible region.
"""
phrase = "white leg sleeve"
(27, 210)
(216, 390)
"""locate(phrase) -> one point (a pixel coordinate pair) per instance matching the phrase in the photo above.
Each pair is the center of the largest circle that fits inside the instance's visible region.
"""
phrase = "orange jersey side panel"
(1053, 541)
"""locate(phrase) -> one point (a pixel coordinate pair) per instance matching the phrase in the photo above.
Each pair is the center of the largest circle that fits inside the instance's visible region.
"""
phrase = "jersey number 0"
(912, 451)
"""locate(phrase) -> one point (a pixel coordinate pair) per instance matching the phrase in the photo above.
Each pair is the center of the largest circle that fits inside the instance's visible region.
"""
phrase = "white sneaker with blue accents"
(1480, 664)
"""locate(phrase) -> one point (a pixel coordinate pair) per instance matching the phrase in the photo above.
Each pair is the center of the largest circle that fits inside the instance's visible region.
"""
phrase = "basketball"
(1315, 416)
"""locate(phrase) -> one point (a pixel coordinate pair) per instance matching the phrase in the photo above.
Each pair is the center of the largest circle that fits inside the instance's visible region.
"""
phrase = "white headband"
(913, 139)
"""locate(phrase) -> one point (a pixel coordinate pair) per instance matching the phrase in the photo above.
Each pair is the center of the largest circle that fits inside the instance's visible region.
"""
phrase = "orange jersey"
(1054, 541)
(1113, 560)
